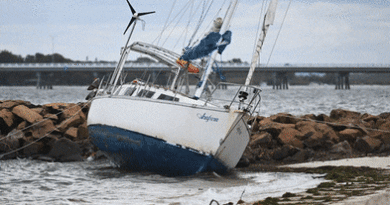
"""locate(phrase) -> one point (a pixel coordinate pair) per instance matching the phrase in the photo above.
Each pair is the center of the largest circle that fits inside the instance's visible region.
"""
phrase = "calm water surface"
(24, 181)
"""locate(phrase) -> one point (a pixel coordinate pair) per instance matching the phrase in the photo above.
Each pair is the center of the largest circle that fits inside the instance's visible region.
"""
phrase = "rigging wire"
(166, 28)
(185, 32)
(277, 36)
(201, 19)
(166, 22)
(188, 24)
(182, 15)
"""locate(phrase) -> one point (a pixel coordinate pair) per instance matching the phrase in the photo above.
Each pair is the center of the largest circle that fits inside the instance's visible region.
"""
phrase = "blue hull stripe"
(135, 151)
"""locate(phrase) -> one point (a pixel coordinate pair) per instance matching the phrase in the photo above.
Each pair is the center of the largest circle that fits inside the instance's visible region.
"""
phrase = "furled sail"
(208, 45)
(211, 42)
(268, 20)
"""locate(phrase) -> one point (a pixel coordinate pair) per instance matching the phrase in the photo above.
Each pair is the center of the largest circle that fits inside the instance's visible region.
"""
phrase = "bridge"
(44, 72)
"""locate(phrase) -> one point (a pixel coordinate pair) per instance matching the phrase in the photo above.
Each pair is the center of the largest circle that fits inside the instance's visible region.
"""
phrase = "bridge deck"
(227, 67)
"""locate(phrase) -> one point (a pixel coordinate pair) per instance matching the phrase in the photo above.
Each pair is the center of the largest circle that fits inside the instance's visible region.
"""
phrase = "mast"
(268, 20)
(224, 28)
(119, 68)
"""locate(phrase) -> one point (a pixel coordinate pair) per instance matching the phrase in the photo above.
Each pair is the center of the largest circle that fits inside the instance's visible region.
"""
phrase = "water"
(25, 181)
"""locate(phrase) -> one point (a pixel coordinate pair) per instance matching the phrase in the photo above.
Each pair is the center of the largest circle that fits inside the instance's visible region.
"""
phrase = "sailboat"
(146, 127)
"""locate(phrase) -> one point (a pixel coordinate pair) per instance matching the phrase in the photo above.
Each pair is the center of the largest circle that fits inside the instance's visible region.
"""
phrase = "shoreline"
(353, 183)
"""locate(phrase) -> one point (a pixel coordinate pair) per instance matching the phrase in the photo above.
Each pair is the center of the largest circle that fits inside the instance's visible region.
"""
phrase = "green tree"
(29, 59)
(8, 57)
(39, 58)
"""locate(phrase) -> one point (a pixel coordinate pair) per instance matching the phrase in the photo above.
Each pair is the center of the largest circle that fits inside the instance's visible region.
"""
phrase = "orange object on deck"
(191, 68)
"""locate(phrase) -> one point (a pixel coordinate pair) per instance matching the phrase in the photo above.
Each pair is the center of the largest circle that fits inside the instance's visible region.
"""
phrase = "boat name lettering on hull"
(207, 118)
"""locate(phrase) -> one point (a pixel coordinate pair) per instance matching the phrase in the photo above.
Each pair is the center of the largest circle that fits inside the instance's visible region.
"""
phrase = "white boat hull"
(211, 132)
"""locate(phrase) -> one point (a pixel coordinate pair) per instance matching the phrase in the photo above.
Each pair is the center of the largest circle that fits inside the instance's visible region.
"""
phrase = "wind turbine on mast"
(126, 50)
(135, 16)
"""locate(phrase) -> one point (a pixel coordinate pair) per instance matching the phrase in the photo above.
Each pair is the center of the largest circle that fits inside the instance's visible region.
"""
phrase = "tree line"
(9, 57)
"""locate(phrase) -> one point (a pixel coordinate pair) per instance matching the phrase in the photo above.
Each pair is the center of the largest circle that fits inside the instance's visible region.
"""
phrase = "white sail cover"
(268, 20)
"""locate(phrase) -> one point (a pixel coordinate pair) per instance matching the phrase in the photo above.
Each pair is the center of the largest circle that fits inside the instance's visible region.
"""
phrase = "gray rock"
(64, 150)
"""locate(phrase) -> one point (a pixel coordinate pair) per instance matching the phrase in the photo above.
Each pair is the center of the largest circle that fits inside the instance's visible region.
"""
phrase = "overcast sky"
(322, 31)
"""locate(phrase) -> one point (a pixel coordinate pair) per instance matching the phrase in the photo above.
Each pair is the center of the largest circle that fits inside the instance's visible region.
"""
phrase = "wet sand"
(373, 162)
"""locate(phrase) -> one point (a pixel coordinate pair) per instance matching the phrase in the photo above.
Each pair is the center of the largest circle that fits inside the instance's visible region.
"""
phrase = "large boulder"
(385, 137)
(274, 128)
(302, 155)
(284, 118)
(317, 135)
(39, 130)
(55, 108)
(82, 131)
(74, 121)
(6, 121)
(33, 148)
(284, 152)
(307, 129)
(27, 114)
(339, 113)
(10, 143)
(289, 136)
(64, 150)
(328, 132)
(368, 118)
(51, 117)
(9, 104)
(342, 148)
(263, 139)
(368, 144)
(323, 118)
(350, 135)
(71, 133)
(314, 140)
(385, 115)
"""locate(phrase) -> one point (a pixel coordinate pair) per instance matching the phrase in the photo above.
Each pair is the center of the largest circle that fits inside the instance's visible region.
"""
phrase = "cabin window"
(145, 93)
(167, 97)
(130, 91)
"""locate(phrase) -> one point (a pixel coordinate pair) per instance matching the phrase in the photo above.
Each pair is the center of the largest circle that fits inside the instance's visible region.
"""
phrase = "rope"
(33, 142)
(277, 36)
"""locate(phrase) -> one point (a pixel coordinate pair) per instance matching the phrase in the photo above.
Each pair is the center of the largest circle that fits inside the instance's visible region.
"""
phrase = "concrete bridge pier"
(280, 81)
(343, 81)
(44, 80)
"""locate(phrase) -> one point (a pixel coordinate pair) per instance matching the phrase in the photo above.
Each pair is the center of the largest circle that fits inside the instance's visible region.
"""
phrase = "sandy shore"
(381, 197)
(373, 162)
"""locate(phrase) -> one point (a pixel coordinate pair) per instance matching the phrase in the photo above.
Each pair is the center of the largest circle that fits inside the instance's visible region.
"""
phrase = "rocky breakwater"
(285, 139)
(58, 132)
(53, 132)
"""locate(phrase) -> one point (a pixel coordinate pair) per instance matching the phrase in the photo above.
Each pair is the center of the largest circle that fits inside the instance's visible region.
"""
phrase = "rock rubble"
(53, 132)
(58, 132)
(284, 139)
